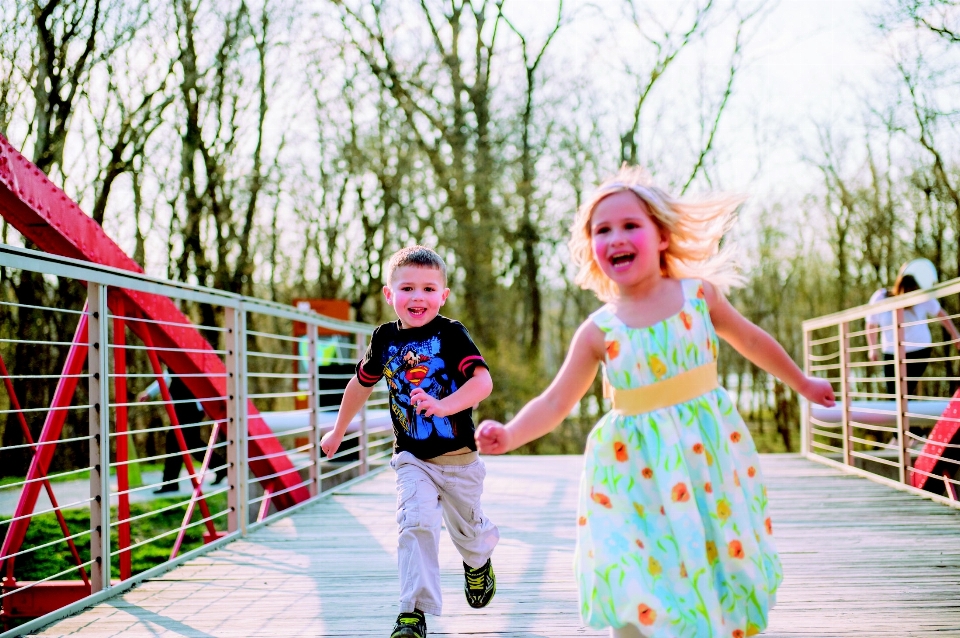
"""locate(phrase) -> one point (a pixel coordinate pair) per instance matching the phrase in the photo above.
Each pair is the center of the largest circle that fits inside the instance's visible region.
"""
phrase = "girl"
(673, 536)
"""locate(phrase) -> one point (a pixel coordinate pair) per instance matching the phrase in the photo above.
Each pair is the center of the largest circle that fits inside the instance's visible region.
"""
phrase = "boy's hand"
(492, 438)
(330, 443)
(426, 405)
(819, 391)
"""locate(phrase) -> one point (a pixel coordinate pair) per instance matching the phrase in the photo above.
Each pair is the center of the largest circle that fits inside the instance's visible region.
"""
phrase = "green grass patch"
(56, 558)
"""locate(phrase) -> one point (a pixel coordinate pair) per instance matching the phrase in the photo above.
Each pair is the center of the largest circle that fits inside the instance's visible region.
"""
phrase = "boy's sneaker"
(412, 625)
(480, 586)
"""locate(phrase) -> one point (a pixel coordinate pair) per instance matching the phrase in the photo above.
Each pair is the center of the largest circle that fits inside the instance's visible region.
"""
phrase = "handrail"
(881, 398)
(256, 370)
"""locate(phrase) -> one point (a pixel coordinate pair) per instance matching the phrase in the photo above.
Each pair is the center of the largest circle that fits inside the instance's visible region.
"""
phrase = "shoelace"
(475, 581)
(410, 620)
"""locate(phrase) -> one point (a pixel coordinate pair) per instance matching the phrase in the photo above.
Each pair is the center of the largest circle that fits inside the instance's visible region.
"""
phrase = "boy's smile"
(416, 294)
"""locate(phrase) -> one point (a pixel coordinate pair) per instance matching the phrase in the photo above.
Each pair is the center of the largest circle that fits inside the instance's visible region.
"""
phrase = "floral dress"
(673, 534)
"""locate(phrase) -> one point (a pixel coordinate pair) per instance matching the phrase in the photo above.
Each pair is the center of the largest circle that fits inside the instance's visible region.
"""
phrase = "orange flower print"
(662, 511)
(582, 521)
(712, 347)
(613, 350)
(680, 494)
(723, 509)
(712, 554)
(687, 319)
(769, 525)
(751, 471)
(736, 478)
(639, 543)
(646, 615)
(737, 633)
(620, 451)
(658, 367)
(735, 549)
(698, 448)
(647, 473)
(700, 293)
(735, 437)
(602, 499)
(708, 487)
(639, 509)
(653, 566)
(683, 570)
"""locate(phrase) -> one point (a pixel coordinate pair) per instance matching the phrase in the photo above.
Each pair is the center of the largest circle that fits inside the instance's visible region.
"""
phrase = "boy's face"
(416, 295)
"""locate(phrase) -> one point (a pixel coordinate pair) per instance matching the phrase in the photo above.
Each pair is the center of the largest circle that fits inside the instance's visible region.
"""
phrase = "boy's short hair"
(419, 256)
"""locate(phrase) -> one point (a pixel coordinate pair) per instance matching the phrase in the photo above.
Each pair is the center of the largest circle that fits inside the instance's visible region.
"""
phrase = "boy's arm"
(354, 396)
(476, 389)
(763, 350)
(548, 410)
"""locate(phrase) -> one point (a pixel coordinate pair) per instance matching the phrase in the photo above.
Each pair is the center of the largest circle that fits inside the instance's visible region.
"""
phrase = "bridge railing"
(897, 411)
(116, 381)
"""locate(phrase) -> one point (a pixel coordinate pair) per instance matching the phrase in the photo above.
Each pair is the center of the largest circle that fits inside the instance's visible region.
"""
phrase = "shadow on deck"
(860, 559)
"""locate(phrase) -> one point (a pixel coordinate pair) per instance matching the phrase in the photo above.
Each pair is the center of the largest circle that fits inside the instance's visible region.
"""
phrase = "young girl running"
(673, 535)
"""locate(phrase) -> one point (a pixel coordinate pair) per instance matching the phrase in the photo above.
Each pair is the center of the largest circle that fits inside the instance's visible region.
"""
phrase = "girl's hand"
(330, 443)
(819, 391)
(492, 438)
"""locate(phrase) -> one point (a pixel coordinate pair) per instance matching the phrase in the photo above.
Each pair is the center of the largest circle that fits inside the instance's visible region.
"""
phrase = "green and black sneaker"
(412, 625)
(480, 586)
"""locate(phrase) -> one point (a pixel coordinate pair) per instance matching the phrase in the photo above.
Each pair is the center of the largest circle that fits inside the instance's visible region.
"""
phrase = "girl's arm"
(549, 409)
(763, 350)
(950, 328)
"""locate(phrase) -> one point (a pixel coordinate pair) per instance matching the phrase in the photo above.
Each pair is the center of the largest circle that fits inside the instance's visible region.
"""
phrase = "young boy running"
(435, 375)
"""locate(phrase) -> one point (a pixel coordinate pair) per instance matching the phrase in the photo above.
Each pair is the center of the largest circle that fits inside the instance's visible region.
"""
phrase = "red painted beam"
(44, 214)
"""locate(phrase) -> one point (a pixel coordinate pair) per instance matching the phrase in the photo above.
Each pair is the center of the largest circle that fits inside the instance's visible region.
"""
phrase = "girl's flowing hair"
(695, 229)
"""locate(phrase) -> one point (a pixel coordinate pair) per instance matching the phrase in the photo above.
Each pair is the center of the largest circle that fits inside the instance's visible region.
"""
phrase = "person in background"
(916, 336)
(188, 413)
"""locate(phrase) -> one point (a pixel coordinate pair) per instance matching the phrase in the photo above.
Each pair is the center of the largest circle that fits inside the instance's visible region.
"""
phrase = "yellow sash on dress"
(662, 394)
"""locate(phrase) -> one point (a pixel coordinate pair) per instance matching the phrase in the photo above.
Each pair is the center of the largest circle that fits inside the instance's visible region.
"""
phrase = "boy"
(435, 374)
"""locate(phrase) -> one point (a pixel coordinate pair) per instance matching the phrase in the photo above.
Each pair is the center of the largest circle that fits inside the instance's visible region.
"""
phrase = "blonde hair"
(695, 229)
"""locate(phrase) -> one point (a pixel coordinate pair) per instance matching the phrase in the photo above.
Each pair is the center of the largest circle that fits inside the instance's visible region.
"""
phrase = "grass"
(57, 558)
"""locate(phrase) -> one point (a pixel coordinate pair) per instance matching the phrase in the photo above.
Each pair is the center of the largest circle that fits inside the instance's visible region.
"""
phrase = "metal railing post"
(98, 365)
(243, 471)
(804, 404)
(900, 376)
(845, 393)
(232, 362)
(313, 402)
(364, 441)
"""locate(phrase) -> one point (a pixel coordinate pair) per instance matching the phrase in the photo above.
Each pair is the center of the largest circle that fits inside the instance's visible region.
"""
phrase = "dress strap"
(692, 288)
(605, 318)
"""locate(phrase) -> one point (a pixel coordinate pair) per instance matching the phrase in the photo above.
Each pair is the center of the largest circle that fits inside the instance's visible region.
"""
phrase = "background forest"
(284, 149)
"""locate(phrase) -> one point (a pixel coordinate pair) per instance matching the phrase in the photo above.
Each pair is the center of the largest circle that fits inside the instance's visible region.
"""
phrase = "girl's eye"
(631, 225)
(601, 230)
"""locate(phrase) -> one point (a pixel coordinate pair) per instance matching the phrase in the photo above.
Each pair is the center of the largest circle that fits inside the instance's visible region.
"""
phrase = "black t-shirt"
(438, 357)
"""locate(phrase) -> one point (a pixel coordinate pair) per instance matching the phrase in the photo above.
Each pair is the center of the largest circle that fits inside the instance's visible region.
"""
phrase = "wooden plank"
(860, 559)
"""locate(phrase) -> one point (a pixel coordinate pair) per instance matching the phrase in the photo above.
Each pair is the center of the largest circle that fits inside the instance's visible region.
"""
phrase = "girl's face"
(626, 240)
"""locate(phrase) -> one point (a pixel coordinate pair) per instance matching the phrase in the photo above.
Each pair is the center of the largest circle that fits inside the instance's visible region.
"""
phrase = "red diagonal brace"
(15, 404)
(52, 427)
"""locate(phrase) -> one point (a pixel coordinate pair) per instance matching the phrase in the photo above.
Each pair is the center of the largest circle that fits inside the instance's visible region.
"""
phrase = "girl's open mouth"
(622, 260)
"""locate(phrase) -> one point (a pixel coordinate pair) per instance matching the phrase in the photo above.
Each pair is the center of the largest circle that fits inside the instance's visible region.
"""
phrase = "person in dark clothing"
(188, 413)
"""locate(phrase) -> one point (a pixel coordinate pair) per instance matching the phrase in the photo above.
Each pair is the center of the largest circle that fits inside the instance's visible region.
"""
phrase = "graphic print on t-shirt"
(418, 365)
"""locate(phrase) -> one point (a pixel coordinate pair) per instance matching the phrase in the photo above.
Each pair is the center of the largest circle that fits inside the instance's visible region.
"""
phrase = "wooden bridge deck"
(860, 559)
